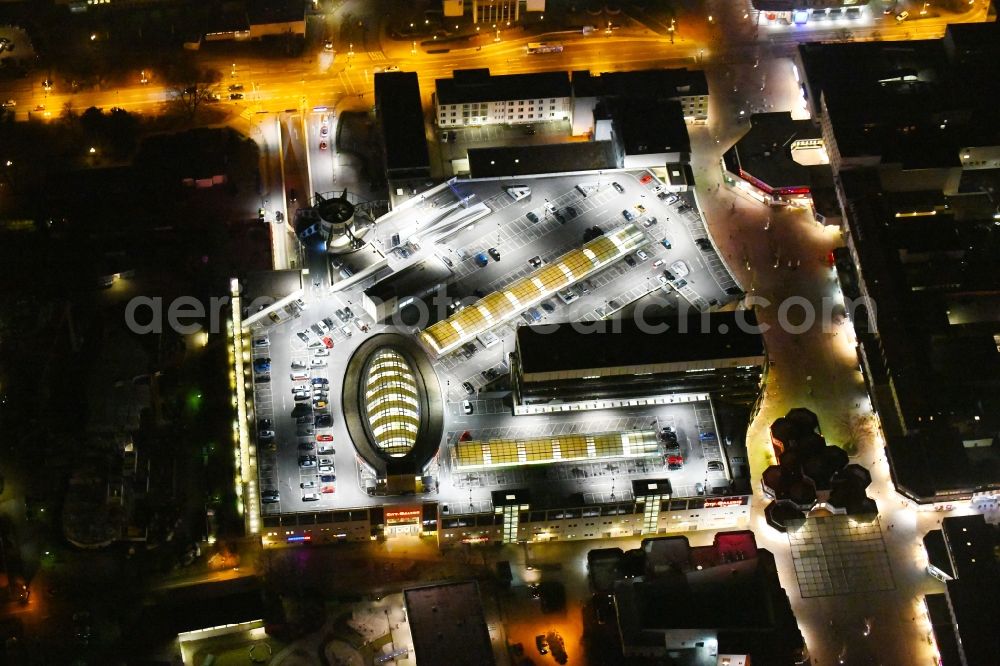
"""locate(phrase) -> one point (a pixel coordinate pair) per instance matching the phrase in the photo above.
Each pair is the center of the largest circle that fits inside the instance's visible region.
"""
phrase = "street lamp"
(924, 10)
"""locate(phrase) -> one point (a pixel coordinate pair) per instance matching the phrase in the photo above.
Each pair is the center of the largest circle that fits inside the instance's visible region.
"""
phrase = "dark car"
(301, 410)
(323, 420)
(715, 466)
(262, 364)
(469, 388)
(235, 96)
(293, 195)
(495, 253)
(531, 216)
(548, 307)
(630, 260)
(571, 211)
(264, 424)
(559, 216)
(618, 187)
(481, 260)
(669, 275)
(541, 644)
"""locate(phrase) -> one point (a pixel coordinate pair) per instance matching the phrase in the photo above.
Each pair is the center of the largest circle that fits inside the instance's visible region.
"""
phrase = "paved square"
(839, 555)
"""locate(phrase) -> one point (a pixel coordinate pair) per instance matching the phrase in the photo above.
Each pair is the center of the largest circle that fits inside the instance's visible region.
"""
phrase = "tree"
(190, 86)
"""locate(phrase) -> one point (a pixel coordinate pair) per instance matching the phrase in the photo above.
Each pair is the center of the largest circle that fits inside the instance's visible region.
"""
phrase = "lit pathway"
(817, 369)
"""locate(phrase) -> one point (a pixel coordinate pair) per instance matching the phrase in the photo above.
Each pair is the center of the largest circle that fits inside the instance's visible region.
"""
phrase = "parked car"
(324, 438)
(628, 215)
(469, 388)
(308, 485)
(310, 497)
(261, 342)
(323, 420)
(535, 262)
(495, 253)
(481, 260)
(630, 260)
(642, 255)
(531, 216)
(325, 469)
(618, 187)
(715, 466)
(327, 478)
(466, 407)
(270, 496)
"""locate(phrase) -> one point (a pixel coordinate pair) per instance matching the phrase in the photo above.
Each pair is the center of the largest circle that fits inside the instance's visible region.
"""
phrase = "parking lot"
(564, 207)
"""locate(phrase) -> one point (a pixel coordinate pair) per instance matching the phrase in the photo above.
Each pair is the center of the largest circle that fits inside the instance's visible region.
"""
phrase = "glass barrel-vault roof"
(391, 403)
(499, 306)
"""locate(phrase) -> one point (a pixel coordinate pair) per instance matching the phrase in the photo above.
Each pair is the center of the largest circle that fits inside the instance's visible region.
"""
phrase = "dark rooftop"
(276, 11)
(536, 159)
(397, 100)
(448, 625)
(971, 542)
(629, 343)
(660, 83)
(915, 103)
(651, 127)
(975, 607)
(477, 85)
(944, 629)
(765, 154)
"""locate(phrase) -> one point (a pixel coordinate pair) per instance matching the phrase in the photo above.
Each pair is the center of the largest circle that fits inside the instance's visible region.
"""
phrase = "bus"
(545, 47)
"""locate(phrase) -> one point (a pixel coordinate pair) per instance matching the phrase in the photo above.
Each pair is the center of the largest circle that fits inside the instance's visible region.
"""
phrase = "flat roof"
(625, 343)
(448, 624)
(497, 307)
(506, 452)
(970, 543)
(397, 100)
(651, 128)
(975, 605)
(662, 83)
(765, 152)
(477, 85)
(504, 161)
(916, 102)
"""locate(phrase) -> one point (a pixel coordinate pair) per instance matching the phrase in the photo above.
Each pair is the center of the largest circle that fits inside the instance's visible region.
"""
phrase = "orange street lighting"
(93, 36)
(93, 150)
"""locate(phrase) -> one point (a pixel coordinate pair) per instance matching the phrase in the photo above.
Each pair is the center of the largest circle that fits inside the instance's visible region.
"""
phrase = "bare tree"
(191, 86)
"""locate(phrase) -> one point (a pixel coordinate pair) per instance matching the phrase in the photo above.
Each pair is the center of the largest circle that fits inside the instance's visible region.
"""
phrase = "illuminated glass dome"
(391, 402)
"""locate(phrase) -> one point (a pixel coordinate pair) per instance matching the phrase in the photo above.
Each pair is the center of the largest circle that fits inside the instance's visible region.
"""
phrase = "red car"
(324, 438)
(675, 460)
(645, 179)
(328, 342)
(466, 436)
(322, 145)
(328, 489)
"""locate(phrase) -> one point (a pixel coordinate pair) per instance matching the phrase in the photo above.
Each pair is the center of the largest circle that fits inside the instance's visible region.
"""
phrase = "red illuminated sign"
(717, 502)
(402, 516)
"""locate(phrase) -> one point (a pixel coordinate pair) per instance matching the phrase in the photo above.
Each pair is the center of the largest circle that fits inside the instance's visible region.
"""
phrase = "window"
(520, 115)
(553, 100)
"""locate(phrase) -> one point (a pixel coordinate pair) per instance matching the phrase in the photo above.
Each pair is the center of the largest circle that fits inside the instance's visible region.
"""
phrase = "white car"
(310, 497)
(642, 255)
(662, 279)
(325, 469)
(299, 376)
(326, 449)
(657, 263)
(307, 485)
(317, 363)
(679, 268)
(466, 407)
(322, 351)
